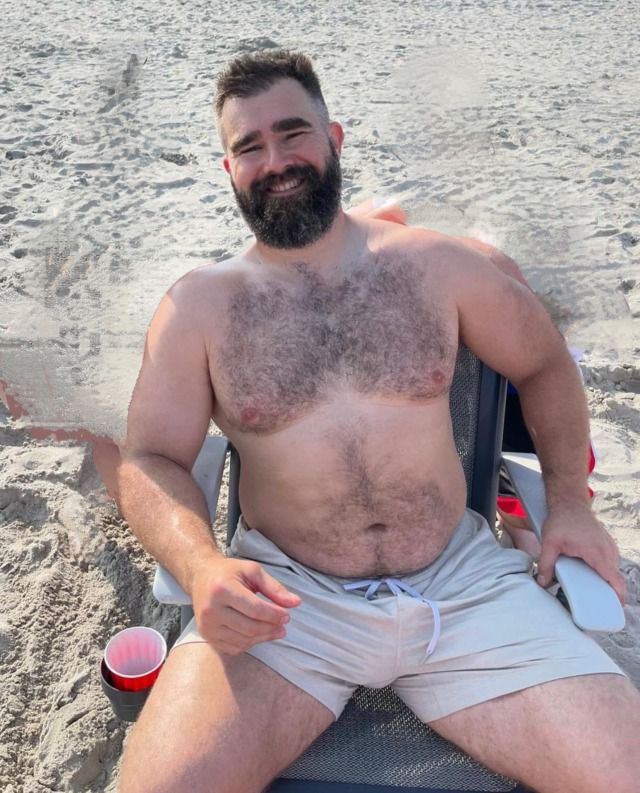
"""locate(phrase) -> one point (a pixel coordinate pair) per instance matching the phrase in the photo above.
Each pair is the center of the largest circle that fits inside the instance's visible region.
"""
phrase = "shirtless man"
(325, 352)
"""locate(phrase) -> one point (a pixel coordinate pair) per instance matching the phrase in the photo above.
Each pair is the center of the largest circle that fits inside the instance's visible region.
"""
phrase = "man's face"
(284, 164)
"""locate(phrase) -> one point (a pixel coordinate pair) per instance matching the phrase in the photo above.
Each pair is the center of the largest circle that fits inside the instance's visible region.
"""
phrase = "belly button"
(377, 527)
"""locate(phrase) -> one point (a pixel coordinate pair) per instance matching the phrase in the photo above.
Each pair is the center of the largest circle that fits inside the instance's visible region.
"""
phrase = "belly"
(358, 487)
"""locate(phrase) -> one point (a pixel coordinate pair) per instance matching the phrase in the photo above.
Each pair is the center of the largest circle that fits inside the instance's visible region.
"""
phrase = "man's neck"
(342, 236)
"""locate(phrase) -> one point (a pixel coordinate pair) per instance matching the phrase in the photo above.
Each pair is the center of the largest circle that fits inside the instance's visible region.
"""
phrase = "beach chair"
(378, 745)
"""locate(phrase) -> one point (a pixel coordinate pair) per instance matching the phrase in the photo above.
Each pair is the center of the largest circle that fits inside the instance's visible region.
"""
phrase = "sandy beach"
(516, 123)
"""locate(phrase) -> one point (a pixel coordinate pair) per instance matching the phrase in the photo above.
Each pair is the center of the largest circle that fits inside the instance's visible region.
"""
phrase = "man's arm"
(504, 324)
(168, 420)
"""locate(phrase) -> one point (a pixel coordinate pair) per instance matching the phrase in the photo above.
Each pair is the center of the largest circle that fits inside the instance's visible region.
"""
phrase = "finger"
(546, 563)
(272, 588)
(245, 602)
(244, 643)
(240, 644)
(246, 626)
(225, 649)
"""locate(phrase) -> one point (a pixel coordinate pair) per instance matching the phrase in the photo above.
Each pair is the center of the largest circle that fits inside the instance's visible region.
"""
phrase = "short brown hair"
(252, 73)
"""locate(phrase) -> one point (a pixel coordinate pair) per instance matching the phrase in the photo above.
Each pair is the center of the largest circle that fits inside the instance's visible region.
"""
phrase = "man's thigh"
(218, 723)
(575, 735)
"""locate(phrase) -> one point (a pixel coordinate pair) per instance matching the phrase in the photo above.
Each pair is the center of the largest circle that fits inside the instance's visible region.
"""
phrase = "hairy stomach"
(357, 489)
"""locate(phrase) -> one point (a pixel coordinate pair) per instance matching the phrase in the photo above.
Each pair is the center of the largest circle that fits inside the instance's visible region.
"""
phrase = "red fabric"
(511, 506)
(592, 460)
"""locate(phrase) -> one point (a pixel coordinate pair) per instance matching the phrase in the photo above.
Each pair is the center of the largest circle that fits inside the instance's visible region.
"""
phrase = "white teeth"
(285, 186)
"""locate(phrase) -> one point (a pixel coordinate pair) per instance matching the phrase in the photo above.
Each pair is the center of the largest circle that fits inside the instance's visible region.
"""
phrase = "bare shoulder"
(459, 271)
(209, 282)
(445, 249)
(440, 254)
(454, 259)
(383, 233)
(197, 300)
(412, 238)
(497, 257)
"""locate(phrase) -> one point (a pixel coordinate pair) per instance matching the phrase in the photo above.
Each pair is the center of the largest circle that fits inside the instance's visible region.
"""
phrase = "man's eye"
(249, 150)
(294, 135)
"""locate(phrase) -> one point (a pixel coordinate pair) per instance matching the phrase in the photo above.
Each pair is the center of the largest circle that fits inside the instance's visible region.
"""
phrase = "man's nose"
(276, 161)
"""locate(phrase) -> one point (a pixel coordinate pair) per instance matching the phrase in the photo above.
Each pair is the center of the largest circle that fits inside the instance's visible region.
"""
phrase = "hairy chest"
(289, 347)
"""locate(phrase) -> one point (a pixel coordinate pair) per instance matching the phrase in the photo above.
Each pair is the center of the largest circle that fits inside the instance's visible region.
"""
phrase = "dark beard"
(297, 221)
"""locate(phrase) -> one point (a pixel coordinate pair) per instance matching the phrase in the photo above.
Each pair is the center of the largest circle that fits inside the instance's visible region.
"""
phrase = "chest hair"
(287, 345)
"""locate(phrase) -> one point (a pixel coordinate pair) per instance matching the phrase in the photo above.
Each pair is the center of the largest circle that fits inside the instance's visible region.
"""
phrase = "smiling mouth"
(286, 188)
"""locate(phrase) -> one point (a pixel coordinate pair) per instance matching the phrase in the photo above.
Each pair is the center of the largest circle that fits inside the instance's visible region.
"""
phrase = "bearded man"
(325, 352)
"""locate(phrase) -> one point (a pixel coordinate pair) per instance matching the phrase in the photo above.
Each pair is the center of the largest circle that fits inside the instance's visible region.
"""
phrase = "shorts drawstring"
(397, 587)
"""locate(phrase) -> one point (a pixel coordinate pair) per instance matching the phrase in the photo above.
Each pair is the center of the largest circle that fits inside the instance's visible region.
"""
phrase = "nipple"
(249, 415)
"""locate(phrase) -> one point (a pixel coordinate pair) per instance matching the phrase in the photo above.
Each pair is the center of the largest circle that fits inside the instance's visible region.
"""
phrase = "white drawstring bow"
(397, 587)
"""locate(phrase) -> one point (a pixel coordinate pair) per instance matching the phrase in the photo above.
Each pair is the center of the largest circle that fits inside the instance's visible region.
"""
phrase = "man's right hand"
(229, 614)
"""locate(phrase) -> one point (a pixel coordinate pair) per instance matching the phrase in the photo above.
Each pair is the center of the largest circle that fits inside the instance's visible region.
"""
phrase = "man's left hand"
(572, 529)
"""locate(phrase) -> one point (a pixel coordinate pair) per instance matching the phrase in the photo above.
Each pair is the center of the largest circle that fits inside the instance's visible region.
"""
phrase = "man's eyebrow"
(286, 124)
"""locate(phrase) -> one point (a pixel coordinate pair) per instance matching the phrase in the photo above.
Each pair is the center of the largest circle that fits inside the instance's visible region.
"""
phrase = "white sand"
(515, 122)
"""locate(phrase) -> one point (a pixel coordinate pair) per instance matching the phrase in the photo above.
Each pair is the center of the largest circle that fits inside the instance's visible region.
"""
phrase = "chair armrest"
(593, 603)
(207, 472)
(167, 590)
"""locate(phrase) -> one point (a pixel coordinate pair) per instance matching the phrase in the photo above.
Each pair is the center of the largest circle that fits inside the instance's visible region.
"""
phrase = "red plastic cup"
(134, 658)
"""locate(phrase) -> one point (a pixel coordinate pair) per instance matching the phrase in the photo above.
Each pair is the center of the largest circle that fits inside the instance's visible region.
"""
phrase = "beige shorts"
(472, 626)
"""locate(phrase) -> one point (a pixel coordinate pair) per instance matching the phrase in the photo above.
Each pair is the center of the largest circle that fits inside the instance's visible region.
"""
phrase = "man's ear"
(336, 133)
(226, 165)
